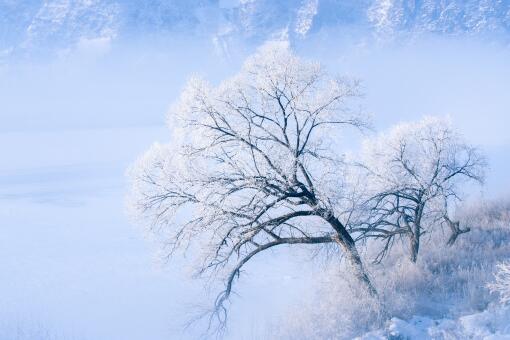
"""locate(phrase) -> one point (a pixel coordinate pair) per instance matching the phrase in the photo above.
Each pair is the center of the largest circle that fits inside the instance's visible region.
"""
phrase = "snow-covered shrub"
(446, 282)
(501, 284)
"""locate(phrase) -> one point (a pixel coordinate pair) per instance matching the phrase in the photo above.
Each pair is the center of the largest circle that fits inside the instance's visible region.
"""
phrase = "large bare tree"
(253, 164)
(413, 172)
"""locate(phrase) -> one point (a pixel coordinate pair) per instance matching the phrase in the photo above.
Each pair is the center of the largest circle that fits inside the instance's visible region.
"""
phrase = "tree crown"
(251, 163)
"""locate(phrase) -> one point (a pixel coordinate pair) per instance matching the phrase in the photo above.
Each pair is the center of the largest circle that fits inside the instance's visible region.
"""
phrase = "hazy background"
(75, 112)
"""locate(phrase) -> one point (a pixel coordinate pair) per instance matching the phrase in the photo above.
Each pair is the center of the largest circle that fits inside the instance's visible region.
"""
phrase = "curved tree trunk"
(348, 245)
(357, 267)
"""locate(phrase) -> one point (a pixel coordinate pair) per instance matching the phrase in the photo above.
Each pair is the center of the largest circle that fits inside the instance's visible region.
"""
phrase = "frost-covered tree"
(253, 164)
(413, 172)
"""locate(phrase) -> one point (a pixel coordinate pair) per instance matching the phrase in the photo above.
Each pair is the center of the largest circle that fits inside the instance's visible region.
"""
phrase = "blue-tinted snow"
(74, 266)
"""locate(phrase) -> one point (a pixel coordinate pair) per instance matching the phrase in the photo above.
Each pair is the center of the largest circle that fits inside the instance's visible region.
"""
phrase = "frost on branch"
(414, 171)
(253, 163)
(501, 284)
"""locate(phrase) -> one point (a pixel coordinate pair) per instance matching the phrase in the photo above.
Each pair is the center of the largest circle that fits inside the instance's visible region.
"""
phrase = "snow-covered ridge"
(33, 23)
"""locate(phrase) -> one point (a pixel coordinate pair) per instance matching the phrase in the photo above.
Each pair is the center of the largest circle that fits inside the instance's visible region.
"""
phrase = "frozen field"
(74, 267)
(72, 264)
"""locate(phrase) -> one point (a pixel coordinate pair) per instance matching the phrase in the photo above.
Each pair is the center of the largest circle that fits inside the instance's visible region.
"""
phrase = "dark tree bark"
(347, 243)
(414, 244)
(413, 225)
(455, 230)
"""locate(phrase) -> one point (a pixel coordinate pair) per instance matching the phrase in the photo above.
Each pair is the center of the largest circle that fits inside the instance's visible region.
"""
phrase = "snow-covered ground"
(491, 324)
(72, 264)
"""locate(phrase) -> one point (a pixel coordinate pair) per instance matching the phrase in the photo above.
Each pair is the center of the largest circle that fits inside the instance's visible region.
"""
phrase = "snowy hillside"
(26, 25)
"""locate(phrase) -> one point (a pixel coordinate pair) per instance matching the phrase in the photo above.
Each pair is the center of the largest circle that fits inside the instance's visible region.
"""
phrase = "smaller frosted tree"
(413, 172)
(253, 164)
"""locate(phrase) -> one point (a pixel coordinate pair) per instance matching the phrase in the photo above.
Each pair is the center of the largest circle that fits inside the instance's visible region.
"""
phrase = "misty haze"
(252, 169)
